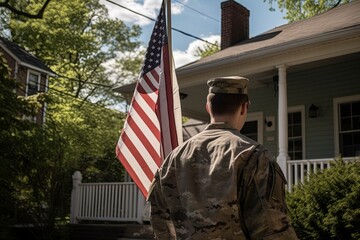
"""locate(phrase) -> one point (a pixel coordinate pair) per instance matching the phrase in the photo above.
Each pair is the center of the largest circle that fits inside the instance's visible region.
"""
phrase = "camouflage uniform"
(219, 185)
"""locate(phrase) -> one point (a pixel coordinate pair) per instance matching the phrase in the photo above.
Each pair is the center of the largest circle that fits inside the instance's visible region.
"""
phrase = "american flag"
(153, 125)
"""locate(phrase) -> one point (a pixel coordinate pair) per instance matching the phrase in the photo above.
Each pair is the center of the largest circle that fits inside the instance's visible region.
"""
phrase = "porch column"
(283, 120)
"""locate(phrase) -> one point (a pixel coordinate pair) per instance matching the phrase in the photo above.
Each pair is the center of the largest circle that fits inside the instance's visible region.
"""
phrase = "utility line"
(100, 107)
(175, 29)
(201, 13)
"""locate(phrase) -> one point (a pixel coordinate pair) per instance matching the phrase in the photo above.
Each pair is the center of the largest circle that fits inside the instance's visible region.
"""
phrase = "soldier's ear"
(244, 108)
(208, 108)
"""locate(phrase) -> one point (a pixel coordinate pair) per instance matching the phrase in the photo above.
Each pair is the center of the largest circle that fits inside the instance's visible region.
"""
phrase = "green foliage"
(77, 39)
(328, 207)
(298, 10)
(208, 49)
(30, 164)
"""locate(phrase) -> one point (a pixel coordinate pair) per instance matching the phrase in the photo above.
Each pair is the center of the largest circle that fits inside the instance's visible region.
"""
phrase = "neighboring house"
(304, 87)
(29, 71)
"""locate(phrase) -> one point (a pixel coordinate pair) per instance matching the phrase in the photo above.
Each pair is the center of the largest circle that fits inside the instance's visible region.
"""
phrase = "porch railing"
(123, 202)
(118, 201)
(298, 171)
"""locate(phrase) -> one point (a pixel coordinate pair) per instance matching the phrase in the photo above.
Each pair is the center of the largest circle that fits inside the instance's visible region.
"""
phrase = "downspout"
(283, 156)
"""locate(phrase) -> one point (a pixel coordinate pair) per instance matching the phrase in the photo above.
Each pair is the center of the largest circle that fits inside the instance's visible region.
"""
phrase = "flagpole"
(168, 26)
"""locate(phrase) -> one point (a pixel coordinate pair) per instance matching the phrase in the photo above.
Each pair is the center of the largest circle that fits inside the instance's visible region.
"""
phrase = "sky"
(200, 18)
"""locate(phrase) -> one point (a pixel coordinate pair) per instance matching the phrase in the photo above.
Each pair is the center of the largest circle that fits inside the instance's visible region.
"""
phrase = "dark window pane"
(298, 145)
(348, 151)
(290, 132)
(345, 124)
(298, 156)
(357, 138)
(356, 108)
(297, 130)
(356, 123)
(345, 110)
(291, 145)
(346, 139)
(290, 119)
(33, 84)
(297, 117)
(357, 150)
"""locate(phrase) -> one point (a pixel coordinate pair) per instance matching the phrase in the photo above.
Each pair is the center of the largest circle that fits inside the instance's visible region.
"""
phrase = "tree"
(208, 49)
(77, 39)
(327, 206)
(30, 163)
(298, 10)
(12, 7)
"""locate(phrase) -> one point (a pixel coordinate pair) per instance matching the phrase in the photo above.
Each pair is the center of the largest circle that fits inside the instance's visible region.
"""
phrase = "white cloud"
(148, 8)
(184, 57)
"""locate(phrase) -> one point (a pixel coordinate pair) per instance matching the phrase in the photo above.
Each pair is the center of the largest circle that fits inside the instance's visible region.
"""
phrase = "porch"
(122, 202)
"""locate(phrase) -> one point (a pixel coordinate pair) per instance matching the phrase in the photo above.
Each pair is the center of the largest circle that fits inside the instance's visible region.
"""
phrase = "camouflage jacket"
(219, 185)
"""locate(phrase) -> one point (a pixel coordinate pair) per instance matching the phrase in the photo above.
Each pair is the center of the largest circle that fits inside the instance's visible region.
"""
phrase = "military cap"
(232, 85)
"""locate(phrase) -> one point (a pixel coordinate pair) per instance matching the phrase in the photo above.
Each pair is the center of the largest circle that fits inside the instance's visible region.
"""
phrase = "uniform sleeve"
(262, 200)
(159, 214)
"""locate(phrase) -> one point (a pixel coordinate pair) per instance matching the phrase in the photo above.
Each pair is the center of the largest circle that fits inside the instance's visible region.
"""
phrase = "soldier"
(220, 184)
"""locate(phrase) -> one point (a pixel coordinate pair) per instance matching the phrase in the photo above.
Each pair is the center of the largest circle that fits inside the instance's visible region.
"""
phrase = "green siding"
(317, 86)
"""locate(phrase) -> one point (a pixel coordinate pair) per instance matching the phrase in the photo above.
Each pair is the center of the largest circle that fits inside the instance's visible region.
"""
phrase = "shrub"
(328, 205)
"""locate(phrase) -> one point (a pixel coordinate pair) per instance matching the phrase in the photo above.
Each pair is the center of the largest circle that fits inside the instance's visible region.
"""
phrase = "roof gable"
(23, 57)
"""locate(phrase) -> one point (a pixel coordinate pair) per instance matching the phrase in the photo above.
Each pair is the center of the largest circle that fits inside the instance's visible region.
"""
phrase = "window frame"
(336, 103)
(28, 80)
(301, 109)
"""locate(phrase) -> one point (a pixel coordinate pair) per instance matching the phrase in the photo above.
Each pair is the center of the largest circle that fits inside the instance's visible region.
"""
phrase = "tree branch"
(25, 14)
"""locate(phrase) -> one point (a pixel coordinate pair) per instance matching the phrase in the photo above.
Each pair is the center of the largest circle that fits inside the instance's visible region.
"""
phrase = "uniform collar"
(219, 125)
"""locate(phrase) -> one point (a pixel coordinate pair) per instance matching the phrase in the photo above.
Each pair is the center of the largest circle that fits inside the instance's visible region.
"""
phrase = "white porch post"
(74, 205)
(283, 120)
(140, 207)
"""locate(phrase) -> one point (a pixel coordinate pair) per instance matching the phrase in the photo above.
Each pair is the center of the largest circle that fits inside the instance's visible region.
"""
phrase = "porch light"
(313, 111)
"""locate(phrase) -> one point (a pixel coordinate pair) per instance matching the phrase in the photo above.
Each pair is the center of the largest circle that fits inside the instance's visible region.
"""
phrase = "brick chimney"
(234, 23)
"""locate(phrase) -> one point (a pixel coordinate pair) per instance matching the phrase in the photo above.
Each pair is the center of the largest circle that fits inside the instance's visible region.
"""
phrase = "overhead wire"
(195, 10)
(99, 107)
(152, 19)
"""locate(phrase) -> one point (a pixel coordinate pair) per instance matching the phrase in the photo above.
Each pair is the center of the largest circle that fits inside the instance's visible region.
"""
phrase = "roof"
(23, 57)
(343, 17)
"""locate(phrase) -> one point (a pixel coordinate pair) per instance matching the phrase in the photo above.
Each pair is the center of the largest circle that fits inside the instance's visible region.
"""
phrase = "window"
(349, 128)
(296, 133)
(33, 83)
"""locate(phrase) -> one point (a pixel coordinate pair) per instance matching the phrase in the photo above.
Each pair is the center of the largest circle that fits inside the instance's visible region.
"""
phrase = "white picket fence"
(123, 202)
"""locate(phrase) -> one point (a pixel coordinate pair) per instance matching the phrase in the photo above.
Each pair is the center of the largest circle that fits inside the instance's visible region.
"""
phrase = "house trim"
(28, 78)
(19, 62)
(336, 102)
(300, 108)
